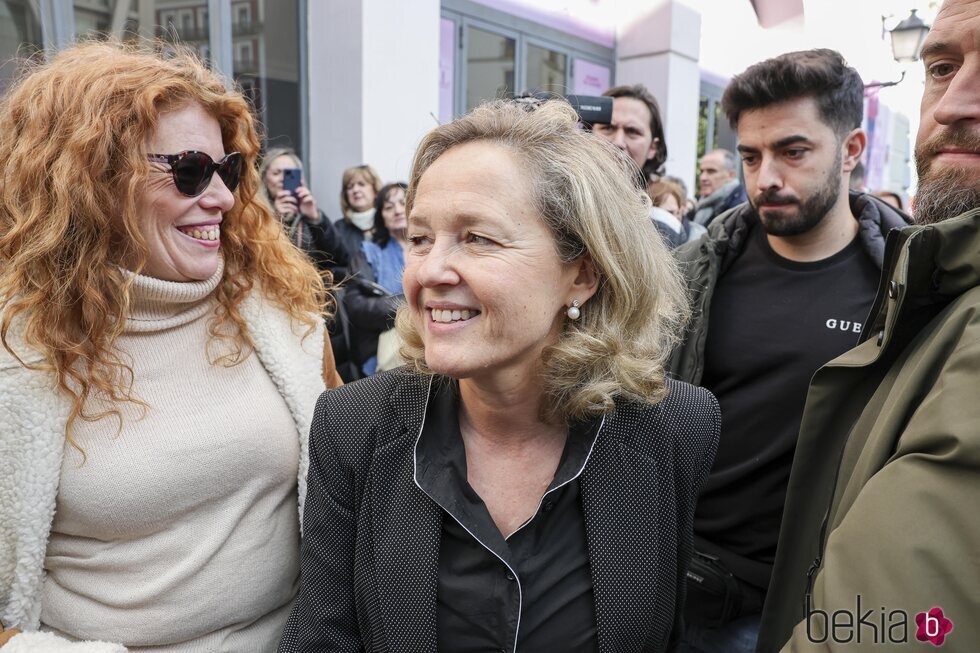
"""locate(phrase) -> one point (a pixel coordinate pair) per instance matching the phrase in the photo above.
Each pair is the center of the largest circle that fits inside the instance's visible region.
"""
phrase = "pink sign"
(590, 78)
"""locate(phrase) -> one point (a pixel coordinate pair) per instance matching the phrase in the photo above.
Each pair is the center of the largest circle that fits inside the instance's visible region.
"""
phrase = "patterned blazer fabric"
(371, 550)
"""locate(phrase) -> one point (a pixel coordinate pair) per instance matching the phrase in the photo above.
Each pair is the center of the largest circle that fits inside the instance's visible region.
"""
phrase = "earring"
(573, 311)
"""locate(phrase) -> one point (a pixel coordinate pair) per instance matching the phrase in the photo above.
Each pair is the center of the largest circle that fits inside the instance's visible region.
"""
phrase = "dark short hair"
(654, 166)
(820, 74)
(381, 234)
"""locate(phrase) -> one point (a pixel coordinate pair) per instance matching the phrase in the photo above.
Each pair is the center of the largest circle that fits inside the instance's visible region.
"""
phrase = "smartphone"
(292, 178)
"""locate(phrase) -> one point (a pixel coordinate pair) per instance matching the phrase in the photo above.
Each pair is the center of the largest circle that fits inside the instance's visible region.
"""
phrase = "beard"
(945, 192)
(810, 211)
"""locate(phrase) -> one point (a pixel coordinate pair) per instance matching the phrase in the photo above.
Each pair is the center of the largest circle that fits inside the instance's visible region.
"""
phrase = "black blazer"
(370, 552)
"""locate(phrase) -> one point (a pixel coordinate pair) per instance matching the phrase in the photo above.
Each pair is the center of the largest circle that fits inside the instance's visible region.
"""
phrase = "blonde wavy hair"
(73, 165)
(584, 189)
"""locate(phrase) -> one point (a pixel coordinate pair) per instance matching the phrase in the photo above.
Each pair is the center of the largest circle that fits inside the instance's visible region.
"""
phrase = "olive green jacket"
(884, 497)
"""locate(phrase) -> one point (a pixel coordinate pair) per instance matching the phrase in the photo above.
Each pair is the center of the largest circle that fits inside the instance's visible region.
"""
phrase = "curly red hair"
(72, 167)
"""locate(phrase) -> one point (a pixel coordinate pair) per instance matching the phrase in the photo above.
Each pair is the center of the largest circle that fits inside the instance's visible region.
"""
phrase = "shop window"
(177, 21)
(20, 36)
(490, 63)
(266, 47)
(261, 52)
(547, 70)
(487, 54)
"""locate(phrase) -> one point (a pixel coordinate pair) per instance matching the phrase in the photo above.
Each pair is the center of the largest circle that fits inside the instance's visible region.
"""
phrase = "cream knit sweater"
(180, 533)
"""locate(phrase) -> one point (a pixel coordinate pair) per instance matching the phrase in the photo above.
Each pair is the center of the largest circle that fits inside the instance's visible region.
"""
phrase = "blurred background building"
(360, 81)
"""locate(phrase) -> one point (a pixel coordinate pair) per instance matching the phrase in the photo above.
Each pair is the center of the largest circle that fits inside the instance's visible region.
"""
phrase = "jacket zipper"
(818, 561)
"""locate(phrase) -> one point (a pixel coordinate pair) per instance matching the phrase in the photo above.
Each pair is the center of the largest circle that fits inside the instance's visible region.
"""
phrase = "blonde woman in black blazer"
(527, 482)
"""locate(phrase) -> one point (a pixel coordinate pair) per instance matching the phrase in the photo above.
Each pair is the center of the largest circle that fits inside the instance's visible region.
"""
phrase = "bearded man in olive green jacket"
(880, 539)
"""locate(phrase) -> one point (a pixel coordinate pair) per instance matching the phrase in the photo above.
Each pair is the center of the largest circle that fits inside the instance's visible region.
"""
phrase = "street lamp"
(907, 38)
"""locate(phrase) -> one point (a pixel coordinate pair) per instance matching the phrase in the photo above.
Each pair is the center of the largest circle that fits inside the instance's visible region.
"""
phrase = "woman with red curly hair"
(163, 348)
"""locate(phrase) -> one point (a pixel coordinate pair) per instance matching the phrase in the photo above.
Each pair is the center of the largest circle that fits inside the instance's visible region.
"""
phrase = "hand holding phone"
(292, 178)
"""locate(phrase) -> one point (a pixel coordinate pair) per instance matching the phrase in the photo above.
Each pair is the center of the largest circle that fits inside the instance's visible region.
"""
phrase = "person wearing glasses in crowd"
(528, 481)
(308, 228)
(358, 189)
(163, 348)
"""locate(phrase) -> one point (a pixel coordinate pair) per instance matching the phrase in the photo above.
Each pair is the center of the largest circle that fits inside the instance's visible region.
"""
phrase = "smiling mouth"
(210, 232)
(446, 316)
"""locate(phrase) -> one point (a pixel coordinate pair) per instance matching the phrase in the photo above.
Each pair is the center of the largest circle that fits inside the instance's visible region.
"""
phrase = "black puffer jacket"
(350, 235)
(370, 308)
(320, 240)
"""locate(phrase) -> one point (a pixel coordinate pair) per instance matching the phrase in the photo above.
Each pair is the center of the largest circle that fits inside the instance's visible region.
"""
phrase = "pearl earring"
(573, 311)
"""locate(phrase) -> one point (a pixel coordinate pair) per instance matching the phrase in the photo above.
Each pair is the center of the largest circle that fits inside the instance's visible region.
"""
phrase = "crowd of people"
(535, 398)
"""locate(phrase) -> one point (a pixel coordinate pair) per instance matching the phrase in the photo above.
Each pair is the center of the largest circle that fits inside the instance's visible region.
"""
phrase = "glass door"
(490, 65)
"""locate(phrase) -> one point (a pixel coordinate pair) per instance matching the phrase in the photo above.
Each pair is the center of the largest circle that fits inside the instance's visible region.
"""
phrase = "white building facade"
(347, 82)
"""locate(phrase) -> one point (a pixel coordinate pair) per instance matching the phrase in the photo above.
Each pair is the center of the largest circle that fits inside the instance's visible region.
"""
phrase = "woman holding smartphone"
(309, 229)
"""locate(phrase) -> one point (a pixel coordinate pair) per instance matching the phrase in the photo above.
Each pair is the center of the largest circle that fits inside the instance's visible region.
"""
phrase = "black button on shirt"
(535, 587)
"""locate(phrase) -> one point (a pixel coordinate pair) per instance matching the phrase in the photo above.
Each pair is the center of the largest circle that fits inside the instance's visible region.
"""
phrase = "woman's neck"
(156, 304)
(507, 413)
